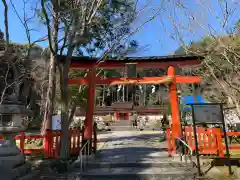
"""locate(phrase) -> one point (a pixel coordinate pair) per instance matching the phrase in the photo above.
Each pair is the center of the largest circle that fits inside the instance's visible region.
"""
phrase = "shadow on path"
(140, 136)
(131, 154)
(131, 158)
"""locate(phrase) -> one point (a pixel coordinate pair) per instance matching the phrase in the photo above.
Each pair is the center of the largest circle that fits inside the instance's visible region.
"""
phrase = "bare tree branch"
(6, 22)
(48, 26)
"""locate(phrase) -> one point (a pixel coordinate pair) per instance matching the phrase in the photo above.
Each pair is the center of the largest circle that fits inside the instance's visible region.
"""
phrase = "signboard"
(56, 122)
(207, 113)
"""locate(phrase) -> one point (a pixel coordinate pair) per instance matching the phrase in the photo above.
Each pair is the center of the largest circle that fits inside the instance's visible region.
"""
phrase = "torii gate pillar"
(88, 123)
(176, 124)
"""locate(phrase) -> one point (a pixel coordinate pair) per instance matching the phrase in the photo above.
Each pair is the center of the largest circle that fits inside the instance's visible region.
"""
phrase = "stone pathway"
(132, 155)
(129, 155)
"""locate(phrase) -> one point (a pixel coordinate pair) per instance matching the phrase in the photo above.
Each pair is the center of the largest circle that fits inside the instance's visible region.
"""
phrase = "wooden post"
(117, 116)
(22, 141)
(176, 124)
(168, 136)
(88, 123)
(131, 89)
(219, 142)
(79, 131)
(94, 137)
(82, 136)
(57, 143)
(48, 144)
(74, 138)
(70, 140)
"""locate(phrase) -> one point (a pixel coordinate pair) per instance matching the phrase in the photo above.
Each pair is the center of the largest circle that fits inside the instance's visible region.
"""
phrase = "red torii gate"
(146, 62)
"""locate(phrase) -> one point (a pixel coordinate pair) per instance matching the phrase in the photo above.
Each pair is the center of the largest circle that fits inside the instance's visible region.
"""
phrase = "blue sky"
(157, 34)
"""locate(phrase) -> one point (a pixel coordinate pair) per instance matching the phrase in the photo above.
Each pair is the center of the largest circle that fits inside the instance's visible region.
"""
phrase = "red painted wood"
(143, 80)
(188, 132)
(211, 141)
(22, 141)
(47, 143)
(118, 115)
(232, 134)
(51, 142)
(29, 152)
(176, 124)
(57, 144)
(74, 137)
(50, 145)
(88, 123)
(78, 138)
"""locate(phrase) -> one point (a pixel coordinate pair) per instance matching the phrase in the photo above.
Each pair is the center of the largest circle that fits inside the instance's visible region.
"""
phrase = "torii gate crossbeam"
(142, 80)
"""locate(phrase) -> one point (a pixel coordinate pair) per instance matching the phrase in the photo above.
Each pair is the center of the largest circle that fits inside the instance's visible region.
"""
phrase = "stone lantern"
(12, 160)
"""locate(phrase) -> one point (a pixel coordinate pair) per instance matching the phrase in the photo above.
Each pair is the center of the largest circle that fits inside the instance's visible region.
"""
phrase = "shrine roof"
(141, 62)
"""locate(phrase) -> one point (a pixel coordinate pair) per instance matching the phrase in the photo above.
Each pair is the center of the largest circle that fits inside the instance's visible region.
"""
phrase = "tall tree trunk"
(65, 118)
(64, 152)
(49, 105)
(64, 70)
(50, 99)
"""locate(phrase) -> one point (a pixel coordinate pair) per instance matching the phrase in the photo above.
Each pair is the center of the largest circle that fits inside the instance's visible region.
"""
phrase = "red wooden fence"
(51, 142)
(210, 140)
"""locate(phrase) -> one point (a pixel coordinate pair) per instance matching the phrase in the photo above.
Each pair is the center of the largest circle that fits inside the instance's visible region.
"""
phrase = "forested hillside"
(220, 69)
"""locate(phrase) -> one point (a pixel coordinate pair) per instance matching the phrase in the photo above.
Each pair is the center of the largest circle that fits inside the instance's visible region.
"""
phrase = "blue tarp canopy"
(191, 100)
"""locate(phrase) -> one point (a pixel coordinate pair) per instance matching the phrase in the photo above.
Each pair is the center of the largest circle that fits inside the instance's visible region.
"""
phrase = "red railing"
(232, 147)
(210, 140)
(51, 142)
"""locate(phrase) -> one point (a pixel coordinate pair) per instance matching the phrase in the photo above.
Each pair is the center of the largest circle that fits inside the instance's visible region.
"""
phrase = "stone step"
(78, 176)
(138, 173)
(126, 159)
(121, 128)
(137, 170)
(94, 165)
(137, 177)
(123, 123)
(133, 157)
(129, 171)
